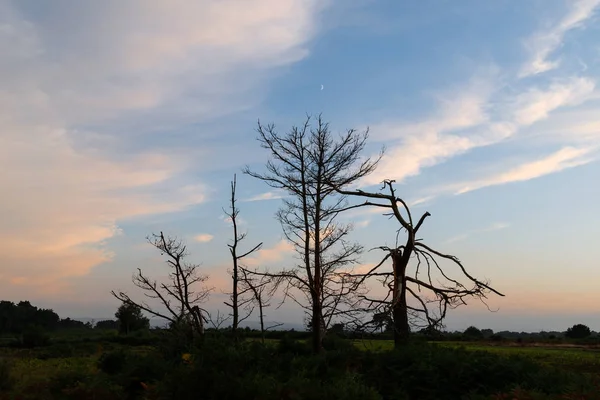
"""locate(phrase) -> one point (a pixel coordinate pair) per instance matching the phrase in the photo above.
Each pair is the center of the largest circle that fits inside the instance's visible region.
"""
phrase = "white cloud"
(535, 104)
(203, 238)
(427, 143)
(493, 120)
(74, 87)
(567, 157)
(542, 44)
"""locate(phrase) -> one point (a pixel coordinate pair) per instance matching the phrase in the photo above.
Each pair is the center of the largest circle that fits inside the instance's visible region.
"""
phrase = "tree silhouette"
(578, 331)
(181, 296)
(432, 289)
(235, 301)
(304, 162)
(130, 318)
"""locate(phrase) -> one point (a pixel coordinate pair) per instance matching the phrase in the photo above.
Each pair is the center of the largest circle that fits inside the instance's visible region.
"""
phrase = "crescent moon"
(322, 87)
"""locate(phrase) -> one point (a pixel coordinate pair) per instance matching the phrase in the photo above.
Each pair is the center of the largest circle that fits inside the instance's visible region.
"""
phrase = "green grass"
(577, 359)
(571, 358)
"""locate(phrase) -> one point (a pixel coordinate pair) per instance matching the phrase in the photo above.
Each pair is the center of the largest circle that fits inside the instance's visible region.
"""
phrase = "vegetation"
(149, 365)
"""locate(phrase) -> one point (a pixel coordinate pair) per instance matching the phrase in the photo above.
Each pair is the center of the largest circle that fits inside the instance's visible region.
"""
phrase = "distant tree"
(337, 328)
(68, 323)
(107, 324)
(131, 319)
(16, 318)
(431, 332)
(382, 321)
(472, 333)
(487, 333)
(578, 331)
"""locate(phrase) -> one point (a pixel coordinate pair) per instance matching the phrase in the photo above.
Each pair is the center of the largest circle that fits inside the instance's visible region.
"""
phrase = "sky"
(124, 118)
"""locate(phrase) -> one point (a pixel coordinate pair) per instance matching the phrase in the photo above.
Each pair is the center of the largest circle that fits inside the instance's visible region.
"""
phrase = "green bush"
(112, 362)
(6, 380)
(34, 337)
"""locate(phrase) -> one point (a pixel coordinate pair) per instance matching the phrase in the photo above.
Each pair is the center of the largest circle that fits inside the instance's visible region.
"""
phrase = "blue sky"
(125, 118)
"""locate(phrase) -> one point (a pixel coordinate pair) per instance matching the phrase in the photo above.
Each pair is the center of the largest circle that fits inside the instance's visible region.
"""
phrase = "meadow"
(148, 366)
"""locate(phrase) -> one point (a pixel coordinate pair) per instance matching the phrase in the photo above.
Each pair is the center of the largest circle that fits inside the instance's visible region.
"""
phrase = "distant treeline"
(16, 318)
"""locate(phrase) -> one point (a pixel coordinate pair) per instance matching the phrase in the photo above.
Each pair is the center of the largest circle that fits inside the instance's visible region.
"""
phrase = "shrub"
(34, 337)
(112, 362)
(6, 380)
(578, 331)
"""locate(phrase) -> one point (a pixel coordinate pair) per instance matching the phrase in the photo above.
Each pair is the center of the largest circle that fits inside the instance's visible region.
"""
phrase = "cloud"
(83, 84)
(363, 224)
(269, 256)
(567, 157)
(542, 44)
(203, 238)
(432, 141)
(535, 104)
(266, 196)
(493, 227)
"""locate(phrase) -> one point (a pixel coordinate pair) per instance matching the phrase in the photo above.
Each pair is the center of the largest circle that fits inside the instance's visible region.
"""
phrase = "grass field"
(41, 366)
(573, 358)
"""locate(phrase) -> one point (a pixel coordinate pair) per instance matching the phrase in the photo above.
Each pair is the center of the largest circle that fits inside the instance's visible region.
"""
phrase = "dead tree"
(181, 296)
(423, 291)
(304, 163)
(236, 303)
(261, 290)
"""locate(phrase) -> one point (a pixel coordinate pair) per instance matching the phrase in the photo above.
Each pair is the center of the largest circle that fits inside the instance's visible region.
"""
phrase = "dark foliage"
(131, 319)
(578, 331)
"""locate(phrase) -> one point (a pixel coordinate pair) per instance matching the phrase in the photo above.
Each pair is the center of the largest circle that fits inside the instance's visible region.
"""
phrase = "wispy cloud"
(494, 227)
(266, 196)
(427, 143)
(271, 255)
(565, 158)
(362, 224)
(203, 238)
(543, 44)
(535, 104)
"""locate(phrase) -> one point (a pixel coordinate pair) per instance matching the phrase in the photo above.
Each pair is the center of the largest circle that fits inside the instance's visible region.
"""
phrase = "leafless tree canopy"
(307, 163)
(258, 289)
(419, 296)
(182, 295)
(236, 301)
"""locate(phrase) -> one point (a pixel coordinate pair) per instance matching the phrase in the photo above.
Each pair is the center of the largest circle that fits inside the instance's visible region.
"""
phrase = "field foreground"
(364, 369)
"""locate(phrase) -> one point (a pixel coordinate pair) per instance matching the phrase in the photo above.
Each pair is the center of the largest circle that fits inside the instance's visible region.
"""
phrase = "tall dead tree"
(181, 296)
(444, 292)
(304, 163)
(236, 303)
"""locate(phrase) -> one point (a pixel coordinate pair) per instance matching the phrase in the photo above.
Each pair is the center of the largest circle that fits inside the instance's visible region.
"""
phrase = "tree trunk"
(317, 331)
(399, 306)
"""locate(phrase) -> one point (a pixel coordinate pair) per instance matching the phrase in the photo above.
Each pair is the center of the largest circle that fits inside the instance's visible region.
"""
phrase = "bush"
(34, 337)
(6, 380)
(112, 362)
(578, 331)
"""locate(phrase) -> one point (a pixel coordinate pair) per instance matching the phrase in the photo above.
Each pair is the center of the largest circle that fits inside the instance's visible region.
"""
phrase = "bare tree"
(429, 299)
(305, 162)
(261, 289)
(236, 303)
(181, 296)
